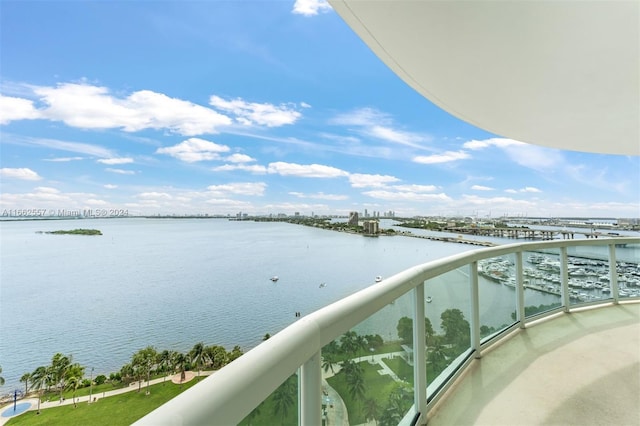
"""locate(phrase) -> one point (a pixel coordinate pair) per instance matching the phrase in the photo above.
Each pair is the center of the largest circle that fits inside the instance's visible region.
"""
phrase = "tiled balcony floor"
(581, 368)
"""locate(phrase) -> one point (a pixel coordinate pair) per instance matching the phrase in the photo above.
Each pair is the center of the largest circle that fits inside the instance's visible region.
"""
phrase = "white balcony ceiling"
(562, 74)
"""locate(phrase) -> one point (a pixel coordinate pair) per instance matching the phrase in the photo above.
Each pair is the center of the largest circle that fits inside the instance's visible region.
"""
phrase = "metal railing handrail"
(230, 394)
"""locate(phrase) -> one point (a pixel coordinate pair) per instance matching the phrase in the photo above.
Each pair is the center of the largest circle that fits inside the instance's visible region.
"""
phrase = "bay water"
(172, 283)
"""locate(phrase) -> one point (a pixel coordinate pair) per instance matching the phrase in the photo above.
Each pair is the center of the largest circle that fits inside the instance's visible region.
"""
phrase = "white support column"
(419, 353)
(564, 279)
(475, 308)
(613, 274)
(520, 316)
(310, 392)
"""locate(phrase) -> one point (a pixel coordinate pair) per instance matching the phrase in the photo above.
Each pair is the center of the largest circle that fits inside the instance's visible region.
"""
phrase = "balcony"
(481, 341)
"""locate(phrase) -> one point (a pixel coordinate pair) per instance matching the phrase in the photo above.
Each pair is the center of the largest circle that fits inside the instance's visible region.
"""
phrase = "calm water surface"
(172, 283)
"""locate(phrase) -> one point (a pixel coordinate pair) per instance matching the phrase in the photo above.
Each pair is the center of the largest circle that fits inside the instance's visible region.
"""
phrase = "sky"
(260, 107)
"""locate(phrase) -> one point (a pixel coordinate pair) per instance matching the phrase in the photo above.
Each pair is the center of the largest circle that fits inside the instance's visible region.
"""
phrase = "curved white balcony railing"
(232, 393)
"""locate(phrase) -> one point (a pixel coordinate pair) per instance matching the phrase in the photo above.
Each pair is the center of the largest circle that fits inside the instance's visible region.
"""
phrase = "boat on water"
(378, 278)
(274, 278)
(322, 285)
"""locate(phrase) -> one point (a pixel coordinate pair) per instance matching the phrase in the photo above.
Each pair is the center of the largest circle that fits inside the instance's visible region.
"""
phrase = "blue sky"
(261, 107)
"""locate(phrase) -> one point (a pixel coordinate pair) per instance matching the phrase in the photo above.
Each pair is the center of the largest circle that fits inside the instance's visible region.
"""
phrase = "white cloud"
(19, 173)
(194, 149)
(445, 157)
(254, 168)
(47, 190)
(93, 202)
(527, 155)
(397, 136)
(63, 159)
(530, 189)
(476, 145)
(110, 186)
(239, 158)
(239, 188)
(93, 107)
(320, 196)
(406, 196)
(47, 198)
(251, 113)
(415, 188)
(305, 170)
(16, 109)
(311, 7)
(359, 180)
(498, 204)
(482, 188)
(77, 147)
(373, 123)
(155, 196)
(535, 157)
(120, 171)
(113, 161)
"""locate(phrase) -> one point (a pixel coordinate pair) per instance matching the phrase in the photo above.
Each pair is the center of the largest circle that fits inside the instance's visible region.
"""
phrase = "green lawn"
(399, 366)
(377, 386)
(121, 409)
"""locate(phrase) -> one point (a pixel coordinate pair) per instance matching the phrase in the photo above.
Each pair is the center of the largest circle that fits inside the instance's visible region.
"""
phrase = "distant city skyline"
(266, 108)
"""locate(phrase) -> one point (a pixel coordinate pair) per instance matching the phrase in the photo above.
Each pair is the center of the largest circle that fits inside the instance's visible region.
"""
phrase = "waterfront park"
(365, 379)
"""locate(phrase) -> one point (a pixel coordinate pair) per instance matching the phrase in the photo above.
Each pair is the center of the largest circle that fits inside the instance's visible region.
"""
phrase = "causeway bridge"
(527, 233)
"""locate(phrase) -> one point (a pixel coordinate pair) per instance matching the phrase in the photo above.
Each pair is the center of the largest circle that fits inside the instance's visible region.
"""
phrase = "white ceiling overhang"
(561, 74)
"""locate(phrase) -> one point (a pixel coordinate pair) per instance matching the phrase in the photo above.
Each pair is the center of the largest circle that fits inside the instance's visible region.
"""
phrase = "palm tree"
(217, 356)
(348, 367)
(371, 410)
(331, 348)
(361, 343)
(39, 379)
(180, 362)
(328, 360)
(59, 366)
(25, 378)
(438, 356)
(1, 378)
(354, 376)
(254, 413)
(143, 361)
(235, 353)
(73, 378)
(126, 373)
(198, 356)
(283, 397)
(348, 342)
(138, 364)
(163, 360)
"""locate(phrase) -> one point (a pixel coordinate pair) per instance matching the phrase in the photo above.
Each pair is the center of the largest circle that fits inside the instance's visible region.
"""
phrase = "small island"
(76, 232)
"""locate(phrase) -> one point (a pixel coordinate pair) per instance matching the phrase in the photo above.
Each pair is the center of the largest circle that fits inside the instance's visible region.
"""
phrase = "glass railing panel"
(368, 371)
(542, 281)
(588, 269)
(281, 407)
(628, 270)
(497, 294)
(448, 312)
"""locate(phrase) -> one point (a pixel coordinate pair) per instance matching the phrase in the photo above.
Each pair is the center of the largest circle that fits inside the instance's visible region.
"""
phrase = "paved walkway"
(99, 395)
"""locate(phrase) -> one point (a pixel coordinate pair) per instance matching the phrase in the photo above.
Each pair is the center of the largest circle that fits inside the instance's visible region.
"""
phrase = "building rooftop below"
(581, 368)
